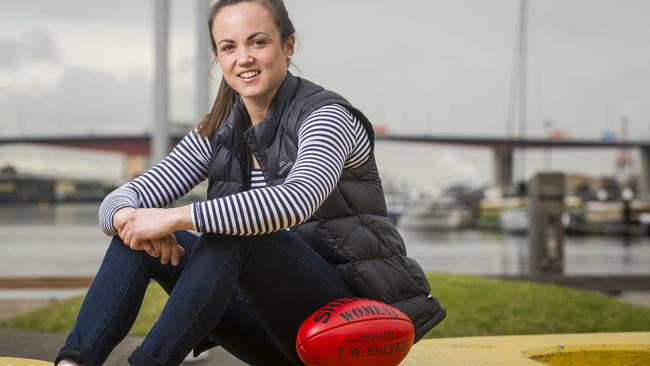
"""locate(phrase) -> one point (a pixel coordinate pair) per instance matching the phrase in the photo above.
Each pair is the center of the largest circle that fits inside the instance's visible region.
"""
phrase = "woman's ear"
(290, 45)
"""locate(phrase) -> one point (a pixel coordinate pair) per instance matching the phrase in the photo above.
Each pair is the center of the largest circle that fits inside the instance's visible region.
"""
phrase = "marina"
(65, 239)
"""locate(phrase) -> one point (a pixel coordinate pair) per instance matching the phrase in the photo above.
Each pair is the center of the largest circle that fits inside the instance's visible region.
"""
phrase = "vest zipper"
(251, 148)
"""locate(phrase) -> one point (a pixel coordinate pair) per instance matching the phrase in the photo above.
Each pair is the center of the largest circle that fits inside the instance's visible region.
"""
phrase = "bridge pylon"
(644, 174)
(503, 167)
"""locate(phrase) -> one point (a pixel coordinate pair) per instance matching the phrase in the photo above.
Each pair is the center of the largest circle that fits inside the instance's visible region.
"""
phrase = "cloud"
(9, 53)
(454, 165)
(35, 46)
(39, 46)
(115, 12)
(81, 101)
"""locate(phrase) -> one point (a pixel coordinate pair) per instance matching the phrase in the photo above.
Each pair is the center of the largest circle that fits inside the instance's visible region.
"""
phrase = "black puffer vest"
(351, 228)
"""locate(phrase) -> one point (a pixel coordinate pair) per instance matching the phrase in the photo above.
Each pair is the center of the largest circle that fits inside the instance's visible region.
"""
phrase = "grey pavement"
(44, 346)
(14, 307)
(636, 297)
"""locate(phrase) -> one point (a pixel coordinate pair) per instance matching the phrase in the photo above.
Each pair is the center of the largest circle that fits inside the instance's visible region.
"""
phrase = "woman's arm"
(329, 139)
(184, 168)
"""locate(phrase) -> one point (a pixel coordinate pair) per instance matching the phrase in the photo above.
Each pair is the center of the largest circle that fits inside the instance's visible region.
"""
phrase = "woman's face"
(249, 50)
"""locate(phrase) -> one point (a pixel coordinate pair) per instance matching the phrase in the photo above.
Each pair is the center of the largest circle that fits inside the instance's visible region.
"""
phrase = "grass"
(475, 306)
(60, 315)
(478, 306)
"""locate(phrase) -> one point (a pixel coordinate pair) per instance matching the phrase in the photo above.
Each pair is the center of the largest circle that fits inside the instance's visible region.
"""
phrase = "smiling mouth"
(249, 74)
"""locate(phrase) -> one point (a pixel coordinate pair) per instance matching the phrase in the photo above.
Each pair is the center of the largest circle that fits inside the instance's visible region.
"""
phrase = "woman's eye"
(227, 47)
(259, 42)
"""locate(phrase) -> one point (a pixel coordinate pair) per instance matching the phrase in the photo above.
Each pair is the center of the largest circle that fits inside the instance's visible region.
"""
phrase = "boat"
(396, 204)
(505, 214)
(608, 218)
(435, 214)
(514, 220)
(20, 188)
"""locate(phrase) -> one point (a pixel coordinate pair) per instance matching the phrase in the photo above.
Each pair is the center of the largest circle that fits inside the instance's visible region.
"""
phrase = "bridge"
(138, 146)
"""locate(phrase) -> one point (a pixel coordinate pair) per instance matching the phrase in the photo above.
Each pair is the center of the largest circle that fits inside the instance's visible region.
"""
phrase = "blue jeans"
(248, 294)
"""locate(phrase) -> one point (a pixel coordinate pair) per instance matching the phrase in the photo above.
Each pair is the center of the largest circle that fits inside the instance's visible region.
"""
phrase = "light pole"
(160, 133)
(203, 55)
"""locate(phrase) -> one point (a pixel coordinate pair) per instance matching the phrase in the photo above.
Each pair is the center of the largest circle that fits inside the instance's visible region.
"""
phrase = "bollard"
(546, 234)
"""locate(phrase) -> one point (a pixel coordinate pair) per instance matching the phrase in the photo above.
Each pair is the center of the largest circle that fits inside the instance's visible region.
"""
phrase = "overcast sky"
(414, 66)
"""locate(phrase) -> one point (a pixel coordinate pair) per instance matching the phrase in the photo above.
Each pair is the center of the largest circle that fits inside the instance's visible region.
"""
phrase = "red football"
(355, 332)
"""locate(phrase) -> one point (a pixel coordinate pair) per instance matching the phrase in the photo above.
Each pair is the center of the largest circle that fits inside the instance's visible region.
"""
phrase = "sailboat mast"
(523, 65)
(522, 87)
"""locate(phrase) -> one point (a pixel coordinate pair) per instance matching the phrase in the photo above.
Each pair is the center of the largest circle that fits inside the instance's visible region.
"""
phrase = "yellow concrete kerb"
(492, 351)
(517, 350)
(8, 361)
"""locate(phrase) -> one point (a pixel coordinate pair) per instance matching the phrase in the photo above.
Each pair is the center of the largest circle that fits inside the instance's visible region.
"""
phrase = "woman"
(295, 217)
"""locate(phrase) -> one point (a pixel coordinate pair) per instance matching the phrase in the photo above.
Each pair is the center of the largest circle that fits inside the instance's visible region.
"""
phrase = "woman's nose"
(245, 58)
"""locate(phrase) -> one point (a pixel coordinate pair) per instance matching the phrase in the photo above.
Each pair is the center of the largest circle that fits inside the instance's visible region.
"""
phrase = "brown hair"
(227, 97)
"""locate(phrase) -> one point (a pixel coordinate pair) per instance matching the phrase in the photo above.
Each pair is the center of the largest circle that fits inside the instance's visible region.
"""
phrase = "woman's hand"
(119, 221)
(146, 224)
(167, 249)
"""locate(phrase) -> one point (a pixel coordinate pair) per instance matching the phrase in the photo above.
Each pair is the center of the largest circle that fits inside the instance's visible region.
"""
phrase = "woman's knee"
(117, 244)
(122, 253)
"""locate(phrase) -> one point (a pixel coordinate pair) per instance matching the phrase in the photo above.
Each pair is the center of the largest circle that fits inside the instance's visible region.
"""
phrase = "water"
(55, 240)
(66, 240)
(479, 252)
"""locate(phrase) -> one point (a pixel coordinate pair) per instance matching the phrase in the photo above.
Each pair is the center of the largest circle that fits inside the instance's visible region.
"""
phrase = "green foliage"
(476, 306)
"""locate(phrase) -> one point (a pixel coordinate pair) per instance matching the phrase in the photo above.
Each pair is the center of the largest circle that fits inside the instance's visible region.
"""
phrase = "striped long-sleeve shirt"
(329, 140)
